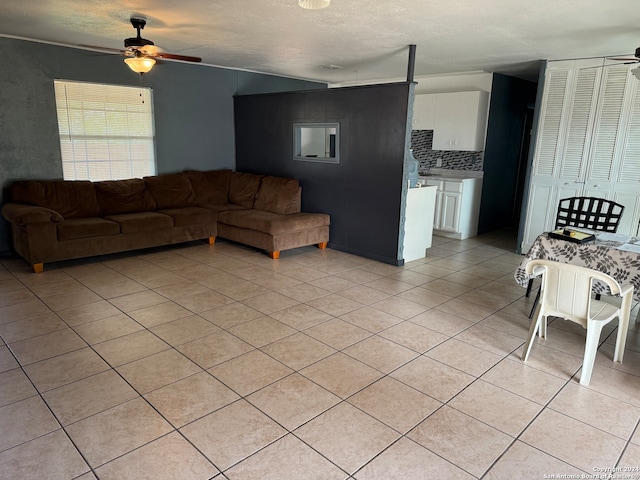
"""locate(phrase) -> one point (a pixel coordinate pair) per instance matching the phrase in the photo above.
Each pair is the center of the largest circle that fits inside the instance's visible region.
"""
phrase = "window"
(106, 131)
(316, 142)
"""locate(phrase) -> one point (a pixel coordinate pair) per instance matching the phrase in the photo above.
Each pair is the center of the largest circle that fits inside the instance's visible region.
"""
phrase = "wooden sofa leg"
(38, 267)
(322, 245)
(212, 240)
(275, 255)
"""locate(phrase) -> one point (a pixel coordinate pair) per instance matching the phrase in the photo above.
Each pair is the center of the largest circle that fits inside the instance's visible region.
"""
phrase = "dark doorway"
(506, 148)
(522, 167)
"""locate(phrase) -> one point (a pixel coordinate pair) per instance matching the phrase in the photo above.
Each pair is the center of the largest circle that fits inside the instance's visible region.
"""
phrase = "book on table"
(572, 235)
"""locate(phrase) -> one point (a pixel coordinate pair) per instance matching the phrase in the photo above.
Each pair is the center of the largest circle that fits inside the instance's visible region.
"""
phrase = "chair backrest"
(593, 213)
(566, 288)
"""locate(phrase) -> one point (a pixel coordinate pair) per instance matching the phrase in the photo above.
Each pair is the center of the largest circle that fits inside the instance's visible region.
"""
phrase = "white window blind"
(106, 131)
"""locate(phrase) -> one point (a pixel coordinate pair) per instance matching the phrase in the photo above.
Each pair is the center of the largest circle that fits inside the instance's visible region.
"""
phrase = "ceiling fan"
(622, 61)
(628, 60)
(142, 53)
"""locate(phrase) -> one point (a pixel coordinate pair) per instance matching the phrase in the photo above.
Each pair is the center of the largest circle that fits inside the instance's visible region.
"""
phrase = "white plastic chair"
(566, 293)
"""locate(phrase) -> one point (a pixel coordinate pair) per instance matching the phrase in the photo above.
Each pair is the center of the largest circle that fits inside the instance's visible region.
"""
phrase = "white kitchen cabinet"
(451, 205)
(460, 121)
(418, 227)
(457, 206)
(424, 112)
(587, 143)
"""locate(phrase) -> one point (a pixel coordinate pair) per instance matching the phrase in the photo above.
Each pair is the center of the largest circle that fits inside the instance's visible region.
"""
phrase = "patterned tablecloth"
(600, 255)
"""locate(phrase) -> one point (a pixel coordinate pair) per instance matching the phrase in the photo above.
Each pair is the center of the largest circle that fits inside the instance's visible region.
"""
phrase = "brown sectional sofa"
(53, 220)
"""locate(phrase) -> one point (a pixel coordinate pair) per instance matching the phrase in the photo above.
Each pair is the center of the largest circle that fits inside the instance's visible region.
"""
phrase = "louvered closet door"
(626, 189)
(605, 151)
(588, 143)
(573, 168)
(566, 118)
(613, 167)
(546, 153)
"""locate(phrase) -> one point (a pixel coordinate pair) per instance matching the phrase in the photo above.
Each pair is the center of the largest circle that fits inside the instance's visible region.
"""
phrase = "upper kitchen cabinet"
(424, 112)
(460, 121)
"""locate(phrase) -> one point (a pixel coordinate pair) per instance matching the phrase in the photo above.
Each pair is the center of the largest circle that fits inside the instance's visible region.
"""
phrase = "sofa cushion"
(278, 195)
(171, 191)
(243, 188)
(211, 187)
(222, 207)
(273, 223)
(141, 222)
(70, 198)
(123, 196)
(73, 228)
(189, 215)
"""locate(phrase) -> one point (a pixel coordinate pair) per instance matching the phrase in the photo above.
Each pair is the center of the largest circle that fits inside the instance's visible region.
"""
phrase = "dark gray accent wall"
(193, 108)
(510, 99)
(363, 192)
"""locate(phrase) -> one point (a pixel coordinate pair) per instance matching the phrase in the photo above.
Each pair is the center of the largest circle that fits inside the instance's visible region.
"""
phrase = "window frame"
(323, 129)
(106, 131)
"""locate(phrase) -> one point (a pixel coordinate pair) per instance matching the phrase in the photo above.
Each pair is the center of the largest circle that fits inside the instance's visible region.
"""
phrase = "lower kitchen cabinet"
(457, 206)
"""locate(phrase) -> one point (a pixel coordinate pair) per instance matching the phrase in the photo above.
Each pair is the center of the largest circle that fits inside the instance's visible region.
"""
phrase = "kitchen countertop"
(447, 173)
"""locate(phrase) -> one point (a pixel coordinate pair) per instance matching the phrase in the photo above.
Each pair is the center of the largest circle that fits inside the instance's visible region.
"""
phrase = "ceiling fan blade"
(141, 47)
(102, 49)
(172, 56)
(612, 64)
(628, 59)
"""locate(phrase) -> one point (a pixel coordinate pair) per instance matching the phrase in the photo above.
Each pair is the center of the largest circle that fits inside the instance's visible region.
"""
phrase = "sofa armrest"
(20, 214)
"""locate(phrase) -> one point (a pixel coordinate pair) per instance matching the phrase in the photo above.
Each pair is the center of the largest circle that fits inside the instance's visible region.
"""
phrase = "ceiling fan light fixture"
(140, 64)
(314, 4)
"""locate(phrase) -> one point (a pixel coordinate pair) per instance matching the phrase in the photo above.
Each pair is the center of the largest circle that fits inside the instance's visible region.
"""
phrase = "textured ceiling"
(368, 39)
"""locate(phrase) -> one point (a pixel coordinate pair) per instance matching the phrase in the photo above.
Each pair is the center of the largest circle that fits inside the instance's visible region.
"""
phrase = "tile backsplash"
(421, 144)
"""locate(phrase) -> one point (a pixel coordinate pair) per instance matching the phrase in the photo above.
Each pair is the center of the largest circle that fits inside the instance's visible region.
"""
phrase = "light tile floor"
(202, 362)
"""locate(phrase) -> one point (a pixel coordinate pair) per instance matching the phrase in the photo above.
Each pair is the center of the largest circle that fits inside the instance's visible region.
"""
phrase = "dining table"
(614, 254)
